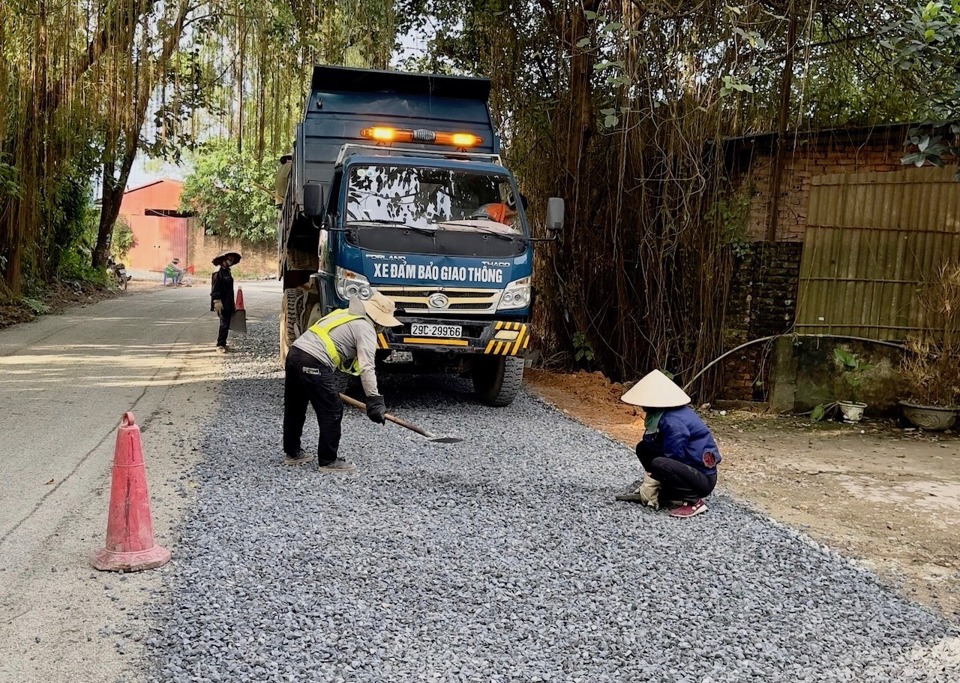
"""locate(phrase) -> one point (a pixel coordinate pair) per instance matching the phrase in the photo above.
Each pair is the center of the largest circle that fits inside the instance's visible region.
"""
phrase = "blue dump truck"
(395, 182)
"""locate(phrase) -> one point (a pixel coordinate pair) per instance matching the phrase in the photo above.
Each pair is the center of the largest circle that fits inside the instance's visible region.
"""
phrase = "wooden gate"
(871, 241)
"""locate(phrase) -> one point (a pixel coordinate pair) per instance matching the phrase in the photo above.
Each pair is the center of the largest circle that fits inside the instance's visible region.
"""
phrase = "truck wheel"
(291, 308)
(497, 380)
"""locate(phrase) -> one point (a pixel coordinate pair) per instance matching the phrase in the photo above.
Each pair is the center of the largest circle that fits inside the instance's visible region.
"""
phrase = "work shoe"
(338, 465)
(689, 509)
(300, 458)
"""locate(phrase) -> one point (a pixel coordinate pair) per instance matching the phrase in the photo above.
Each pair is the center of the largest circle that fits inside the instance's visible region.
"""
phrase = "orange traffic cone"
(130, 545)
(239, 301)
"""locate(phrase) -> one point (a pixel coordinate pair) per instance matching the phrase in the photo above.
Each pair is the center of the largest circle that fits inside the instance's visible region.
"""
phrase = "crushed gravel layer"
(501, 558)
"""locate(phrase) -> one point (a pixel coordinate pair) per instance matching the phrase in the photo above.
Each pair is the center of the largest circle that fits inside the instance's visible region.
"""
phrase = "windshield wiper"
(385, 223)
(377, 221)
(485, 231)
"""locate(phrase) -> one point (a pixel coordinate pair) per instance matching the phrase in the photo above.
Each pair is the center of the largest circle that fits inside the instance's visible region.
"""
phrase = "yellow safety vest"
(322, 329)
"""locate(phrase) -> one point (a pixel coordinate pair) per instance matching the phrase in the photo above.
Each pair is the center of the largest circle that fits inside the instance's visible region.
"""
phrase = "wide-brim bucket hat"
(380, 309)
(656, 390)
(218, 259)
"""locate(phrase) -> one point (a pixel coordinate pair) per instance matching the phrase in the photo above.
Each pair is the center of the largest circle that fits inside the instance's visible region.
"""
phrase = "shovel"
(238, 321)
(403, 423)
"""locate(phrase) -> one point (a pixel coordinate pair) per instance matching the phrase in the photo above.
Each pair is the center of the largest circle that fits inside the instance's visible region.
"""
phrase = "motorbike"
(118, 273)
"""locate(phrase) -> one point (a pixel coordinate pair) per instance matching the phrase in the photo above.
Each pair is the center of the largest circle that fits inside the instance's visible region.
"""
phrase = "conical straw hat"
(656, 390)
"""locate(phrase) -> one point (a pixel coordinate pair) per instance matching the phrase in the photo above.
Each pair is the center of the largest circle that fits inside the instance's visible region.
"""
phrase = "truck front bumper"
(490, 337)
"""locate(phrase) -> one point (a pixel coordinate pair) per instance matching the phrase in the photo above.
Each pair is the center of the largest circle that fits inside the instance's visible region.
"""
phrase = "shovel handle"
(392, 418)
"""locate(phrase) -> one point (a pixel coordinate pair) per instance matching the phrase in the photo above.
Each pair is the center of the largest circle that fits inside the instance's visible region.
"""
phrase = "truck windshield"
(431, 198)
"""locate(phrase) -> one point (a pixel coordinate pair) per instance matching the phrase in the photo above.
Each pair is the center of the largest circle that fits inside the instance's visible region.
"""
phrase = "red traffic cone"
(130, 545)
(239, 301)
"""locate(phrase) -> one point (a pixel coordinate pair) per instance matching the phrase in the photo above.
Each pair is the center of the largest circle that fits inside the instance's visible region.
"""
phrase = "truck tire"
(291, 310)
(497, 380)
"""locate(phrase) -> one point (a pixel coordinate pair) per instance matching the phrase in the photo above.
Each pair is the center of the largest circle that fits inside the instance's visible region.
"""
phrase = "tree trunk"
(560, 287)
(110, 200)
(113, 187)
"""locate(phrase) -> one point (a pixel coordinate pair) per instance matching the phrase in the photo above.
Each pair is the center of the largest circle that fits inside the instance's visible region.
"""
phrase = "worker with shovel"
(342, 341)
(677, 452)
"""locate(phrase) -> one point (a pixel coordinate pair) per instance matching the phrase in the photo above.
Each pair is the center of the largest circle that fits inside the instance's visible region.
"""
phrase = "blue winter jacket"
(682, 435)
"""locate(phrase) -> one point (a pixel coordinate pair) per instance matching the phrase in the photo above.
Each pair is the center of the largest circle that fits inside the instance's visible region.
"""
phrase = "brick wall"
(762, 302)
(807, 156)
(764, 288)
(259, 258)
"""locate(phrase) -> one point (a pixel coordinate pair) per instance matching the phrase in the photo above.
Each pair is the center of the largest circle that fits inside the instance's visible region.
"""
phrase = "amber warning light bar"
(386, 135)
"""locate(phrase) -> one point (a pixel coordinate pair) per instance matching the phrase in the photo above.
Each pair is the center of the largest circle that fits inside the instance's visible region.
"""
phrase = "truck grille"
(460, 300)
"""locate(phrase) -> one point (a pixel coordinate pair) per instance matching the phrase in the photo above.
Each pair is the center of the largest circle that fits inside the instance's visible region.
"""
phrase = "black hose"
(777, 336)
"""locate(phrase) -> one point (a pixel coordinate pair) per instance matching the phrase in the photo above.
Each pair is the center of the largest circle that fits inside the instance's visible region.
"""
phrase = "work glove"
(377, 409)
(649, 492)
(218, 306)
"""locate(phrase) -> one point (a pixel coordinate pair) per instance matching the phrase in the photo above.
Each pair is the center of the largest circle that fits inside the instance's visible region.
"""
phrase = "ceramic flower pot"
(852, 411)
(931, 418)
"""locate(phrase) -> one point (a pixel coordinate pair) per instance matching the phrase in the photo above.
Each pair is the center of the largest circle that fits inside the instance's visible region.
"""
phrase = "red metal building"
(161, 230)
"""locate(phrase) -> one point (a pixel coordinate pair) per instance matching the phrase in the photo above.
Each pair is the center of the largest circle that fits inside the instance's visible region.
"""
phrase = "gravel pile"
(500, 558)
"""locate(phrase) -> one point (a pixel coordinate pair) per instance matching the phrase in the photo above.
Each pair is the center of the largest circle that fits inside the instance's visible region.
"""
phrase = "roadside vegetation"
(231, 192)
(621, 108)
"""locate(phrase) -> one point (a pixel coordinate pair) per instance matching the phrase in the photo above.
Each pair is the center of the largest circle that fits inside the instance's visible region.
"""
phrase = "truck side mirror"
(554, 214)
(312, 199)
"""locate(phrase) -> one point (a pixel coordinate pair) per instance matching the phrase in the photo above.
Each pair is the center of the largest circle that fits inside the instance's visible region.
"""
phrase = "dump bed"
(344, 101)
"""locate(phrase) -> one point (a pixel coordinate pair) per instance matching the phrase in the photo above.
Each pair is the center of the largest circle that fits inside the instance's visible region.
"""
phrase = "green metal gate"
(871, 241)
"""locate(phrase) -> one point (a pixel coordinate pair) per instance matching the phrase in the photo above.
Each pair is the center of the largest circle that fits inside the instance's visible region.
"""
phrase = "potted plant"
(853, 370)
(931, 365)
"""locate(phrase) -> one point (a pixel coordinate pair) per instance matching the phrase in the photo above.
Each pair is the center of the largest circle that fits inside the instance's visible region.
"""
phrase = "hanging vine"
(86, 87)
(623, 108)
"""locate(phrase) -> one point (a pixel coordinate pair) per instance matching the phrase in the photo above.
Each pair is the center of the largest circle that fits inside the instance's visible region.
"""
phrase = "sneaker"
(338, 465)
(689, 509)
(221, 349)
(299, 459)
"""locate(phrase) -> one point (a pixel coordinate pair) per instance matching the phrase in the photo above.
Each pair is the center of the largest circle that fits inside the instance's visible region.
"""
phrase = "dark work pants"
(224, 327)
(307, 380)
(678, 480)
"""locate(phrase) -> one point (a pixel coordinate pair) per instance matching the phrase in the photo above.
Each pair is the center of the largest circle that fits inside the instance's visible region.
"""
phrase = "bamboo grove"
(622, 107)
(86, 86)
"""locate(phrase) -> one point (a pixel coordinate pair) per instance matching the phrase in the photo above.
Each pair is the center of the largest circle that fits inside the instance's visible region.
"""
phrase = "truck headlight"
(351, 285)
(516, 295)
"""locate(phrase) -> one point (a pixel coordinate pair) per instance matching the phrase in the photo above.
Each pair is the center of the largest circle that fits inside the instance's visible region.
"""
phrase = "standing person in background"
(221, 294)
(282, 179)
(677, 451)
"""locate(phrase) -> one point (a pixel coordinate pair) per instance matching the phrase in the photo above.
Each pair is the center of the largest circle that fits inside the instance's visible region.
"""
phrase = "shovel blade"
(238, 322)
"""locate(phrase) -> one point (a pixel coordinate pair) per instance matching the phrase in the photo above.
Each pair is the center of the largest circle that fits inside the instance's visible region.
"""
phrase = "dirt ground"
(886, 496)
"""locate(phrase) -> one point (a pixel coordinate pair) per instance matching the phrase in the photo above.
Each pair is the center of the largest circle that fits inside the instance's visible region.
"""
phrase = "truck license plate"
(431, 330)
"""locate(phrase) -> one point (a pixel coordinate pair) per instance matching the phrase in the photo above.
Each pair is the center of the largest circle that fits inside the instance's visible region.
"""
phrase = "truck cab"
(396, 183)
